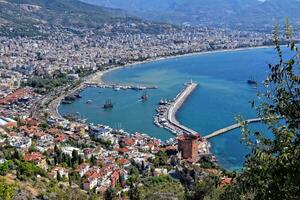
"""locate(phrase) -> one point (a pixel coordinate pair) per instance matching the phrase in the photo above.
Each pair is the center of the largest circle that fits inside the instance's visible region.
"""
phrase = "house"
(123, 162)
(225, 181)
(20, 142)
(36, 158)
(73, 77)
(114, 178)
(160, 171)
(63, 172)
(45, 140)
(91, 181)
(98, 131)
(68, 150)
(82, 169)
(7, 122)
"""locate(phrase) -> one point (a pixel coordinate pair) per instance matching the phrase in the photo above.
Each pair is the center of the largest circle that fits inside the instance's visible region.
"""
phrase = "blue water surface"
(223, 93)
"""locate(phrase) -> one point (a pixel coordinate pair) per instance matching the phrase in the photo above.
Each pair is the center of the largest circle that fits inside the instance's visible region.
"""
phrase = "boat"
(145, 96)
(117, 88)
(66, 102)
(163, 102)
(251, 81)
(108, 104)
(77, 95)
(89, 101)
(70, 98)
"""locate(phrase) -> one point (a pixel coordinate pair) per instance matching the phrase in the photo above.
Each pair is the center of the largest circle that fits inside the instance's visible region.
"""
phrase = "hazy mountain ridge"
(236, 13)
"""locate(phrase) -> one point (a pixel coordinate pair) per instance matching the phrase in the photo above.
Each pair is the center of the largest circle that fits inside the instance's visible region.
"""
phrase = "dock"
(120, 86)
(232, 127)
(166, 117)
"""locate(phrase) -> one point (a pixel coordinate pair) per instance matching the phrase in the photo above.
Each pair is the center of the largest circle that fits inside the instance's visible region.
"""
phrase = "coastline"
(55, 103)
(176, 56)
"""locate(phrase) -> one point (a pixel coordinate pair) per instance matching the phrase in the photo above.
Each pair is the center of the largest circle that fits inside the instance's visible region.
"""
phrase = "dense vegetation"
(46, 83)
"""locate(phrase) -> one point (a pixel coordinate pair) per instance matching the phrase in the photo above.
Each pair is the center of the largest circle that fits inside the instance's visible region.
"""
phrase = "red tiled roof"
(128, 141)
(226, 181)
(123, 161)
(34, 156)
(19, 93)
(122, 150)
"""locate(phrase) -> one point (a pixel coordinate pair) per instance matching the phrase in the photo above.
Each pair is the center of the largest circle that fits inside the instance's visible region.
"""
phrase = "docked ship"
(108, 104)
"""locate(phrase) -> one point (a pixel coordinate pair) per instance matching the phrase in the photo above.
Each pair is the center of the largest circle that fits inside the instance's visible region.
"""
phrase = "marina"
(120, 86)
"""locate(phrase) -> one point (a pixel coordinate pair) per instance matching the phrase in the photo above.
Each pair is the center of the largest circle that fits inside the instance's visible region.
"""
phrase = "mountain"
(26, 14)
(247, 14)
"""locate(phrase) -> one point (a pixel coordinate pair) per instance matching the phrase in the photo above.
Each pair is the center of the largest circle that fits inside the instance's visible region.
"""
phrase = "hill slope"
(75, 13)
(233, 13)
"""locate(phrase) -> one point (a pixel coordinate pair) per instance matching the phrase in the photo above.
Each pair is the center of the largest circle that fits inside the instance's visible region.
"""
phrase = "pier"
(230, 128)
(166, 117)
(121, 86)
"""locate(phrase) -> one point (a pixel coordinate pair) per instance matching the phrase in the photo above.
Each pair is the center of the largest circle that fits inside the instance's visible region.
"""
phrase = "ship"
(251, 81)
(108, 104)
(145, 96)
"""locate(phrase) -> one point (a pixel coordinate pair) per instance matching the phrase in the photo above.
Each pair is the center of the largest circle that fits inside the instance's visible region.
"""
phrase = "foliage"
(272, 170)
(5, 167)
(203, 189)
(47, 83)
(161, 159)
(205, 162)
(161, 187)
(29, 169)
(7, 191)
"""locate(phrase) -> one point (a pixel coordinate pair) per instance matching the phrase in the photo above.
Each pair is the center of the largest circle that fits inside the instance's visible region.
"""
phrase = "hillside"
(70, 13)
(244, 14)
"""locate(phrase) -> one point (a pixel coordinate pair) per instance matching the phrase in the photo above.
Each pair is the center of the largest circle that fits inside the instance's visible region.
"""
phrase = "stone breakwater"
(166, 116)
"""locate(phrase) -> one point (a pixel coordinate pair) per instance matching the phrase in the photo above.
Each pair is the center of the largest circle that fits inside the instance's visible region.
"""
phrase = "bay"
(223, 93)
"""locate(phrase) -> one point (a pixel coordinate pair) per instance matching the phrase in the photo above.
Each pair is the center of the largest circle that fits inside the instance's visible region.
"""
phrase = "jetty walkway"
(166, 116)
(232, 127)
(180, 99)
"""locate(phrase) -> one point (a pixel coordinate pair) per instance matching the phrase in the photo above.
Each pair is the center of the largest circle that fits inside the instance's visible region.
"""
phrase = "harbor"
(121, 86)
(166, 112)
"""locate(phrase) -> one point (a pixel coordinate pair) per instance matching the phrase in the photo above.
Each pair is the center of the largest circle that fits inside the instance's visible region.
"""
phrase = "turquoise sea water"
(222, 94)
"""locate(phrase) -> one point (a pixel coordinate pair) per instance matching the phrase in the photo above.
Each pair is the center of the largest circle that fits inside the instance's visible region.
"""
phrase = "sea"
(222, 95)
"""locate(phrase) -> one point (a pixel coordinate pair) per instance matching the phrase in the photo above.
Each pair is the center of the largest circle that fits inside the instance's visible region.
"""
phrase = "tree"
(4, 169)
(272, 170)
(109, 194)
(17, 155)
(93, 160)
(7, 191)
(75, 157)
